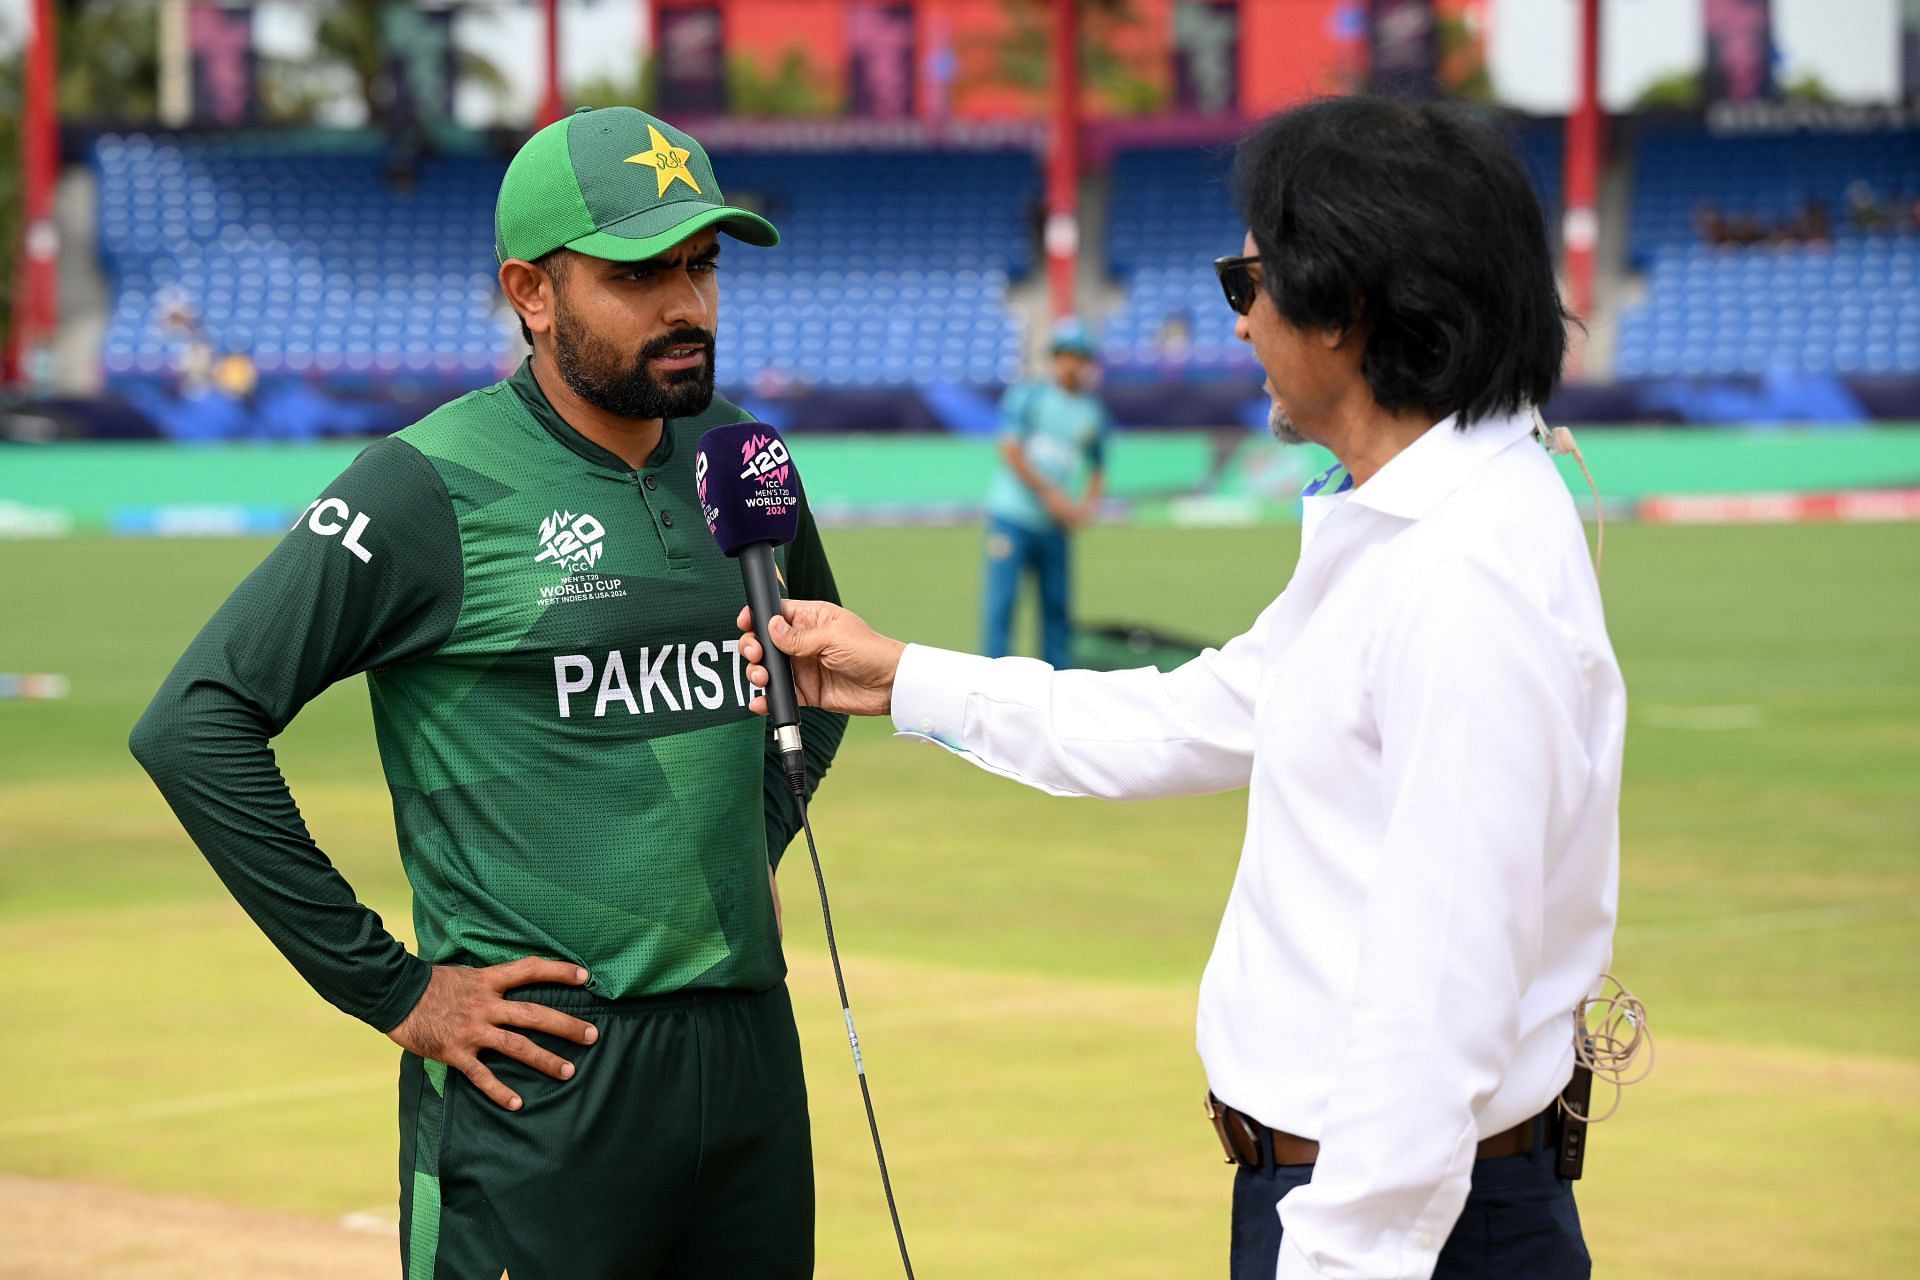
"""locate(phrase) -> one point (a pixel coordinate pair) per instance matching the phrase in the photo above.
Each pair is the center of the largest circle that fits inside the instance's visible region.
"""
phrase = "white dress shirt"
(1429, 719)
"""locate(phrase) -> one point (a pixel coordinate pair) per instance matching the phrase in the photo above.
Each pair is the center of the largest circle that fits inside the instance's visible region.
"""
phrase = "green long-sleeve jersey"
(559, 700)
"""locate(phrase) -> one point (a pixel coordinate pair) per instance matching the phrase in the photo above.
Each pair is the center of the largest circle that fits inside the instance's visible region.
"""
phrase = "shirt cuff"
(406, 993)
(1293, 1263)
(1406, 1259)
(930, 692)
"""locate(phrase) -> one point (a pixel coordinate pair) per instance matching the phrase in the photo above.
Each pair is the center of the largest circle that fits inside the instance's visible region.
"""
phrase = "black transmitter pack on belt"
(1571, 1152)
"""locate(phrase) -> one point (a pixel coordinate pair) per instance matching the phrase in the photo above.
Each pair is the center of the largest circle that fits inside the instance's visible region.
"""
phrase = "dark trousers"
(1012, 553)
(1519, 1222)
(680, 1150)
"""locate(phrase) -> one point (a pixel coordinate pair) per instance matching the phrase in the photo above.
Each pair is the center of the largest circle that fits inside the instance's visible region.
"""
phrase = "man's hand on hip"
(839, 662)
(465, 1010)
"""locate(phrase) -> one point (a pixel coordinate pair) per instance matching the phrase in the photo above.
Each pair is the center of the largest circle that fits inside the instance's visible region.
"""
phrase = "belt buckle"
(1226, 1122)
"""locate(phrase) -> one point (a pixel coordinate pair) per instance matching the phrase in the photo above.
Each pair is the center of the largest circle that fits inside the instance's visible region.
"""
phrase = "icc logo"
(571, 541)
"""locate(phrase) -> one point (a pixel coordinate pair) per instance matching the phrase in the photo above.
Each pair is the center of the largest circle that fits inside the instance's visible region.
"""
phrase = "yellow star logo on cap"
(668, 162)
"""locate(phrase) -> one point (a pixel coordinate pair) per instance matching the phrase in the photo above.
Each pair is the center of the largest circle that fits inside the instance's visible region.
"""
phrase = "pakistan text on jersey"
(673, 677)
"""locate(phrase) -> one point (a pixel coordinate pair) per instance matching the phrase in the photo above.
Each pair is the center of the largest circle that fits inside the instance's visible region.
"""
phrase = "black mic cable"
(763, 605)
(749, 513)
(846, 1009)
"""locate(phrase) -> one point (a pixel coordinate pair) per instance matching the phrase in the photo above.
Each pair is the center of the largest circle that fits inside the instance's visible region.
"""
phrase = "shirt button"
(666, 518)
(648, 481)
(1427, 1242)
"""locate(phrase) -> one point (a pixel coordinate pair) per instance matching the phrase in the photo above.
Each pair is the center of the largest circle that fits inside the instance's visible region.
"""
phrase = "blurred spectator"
(178, 317)
(1864, 209)
(1746, 229)
(1814, 226)
(1725, 229)
(405, 145)
(234, 375)
(1710, 224)
(1175, 338)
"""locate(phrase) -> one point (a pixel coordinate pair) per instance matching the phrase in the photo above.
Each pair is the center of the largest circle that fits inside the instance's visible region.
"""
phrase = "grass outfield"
(1024, 968)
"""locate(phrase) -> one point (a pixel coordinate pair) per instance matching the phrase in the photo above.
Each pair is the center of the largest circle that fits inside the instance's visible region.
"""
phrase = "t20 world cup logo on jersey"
(571, 541)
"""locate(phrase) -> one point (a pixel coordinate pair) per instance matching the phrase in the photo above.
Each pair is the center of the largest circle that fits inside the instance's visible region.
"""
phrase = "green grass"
(1024, 967)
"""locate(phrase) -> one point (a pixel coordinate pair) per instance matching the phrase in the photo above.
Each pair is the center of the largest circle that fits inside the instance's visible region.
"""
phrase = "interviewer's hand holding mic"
(839, 662)
(750, 495)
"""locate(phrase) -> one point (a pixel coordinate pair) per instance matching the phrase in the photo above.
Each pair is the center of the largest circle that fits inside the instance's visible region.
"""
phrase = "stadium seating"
(893, 269)
(1171, 215)
(895, 266)
(1852, 307)
(304, 260)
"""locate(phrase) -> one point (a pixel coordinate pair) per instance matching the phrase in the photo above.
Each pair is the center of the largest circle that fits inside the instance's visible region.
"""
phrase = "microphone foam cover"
(749, 490)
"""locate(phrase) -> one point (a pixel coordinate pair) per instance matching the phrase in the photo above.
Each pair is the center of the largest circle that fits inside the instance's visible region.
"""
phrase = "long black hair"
(1416, 224)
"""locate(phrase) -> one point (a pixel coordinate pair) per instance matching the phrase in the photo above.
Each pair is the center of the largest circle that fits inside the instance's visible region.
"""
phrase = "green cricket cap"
(613, 183)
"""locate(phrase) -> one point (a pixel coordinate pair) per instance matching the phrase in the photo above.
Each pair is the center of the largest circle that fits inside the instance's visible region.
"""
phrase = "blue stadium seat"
(1171, 215)
(1849, 307)
(314, 263)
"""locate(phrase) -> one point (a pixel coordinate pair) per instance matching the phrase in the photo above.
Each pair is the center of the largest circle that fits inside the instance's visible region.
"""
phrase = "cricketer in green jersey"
(588, 810)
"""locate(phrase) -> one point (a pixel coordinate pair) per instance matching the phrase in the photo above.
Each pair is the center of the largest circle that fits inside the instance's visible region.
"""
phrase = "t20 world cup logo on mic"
(748, 485)
(707, 509)
(765, 460)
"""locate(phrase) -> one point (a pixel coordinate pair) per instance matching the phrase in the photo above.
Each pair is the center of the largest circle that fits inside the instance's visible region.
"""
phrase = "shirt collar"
(527, 388)
(1415, 480)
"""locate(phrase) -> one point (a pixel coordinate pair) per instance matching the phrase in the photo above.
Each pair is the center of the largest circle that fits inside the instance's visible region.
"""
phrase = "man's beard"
(1282, 426)
(598, 372)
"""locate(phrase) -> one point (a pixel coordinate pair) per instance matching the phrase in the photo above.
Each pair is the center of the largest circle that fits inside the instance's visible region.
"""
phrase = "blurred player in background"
(1053, 464)
(580, 786)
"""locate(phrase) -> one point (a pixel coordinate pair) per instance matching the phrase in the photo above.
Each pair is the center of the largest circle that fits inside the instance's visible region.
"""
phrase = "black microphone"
(750, 495)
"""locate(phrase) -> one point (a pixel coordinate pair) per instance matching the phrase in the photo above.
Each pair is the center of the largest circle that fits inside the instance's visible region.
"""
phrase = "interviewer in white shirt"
(1428, 718)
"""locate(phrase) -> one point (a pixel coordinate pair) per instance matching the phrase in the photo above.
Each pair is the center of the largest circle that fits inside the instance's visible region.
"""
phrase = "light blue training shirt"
(1063, 434)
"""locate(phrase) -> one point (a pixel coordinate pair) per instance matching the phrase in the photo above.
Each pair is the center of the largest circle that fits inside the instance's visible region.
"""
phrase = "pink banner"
(221, 38)
(1739, 50)
(881, 62)
(692, 61)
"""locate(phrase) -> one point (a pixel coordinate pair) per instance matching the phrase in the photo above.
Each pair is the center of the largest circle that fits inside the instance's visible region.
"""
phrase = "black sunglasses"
(1237, 281)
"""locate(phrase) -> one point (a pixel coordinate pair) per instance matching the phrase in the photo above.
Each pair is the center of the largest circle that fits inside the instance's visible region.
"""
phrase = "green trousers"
(681, 1148)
